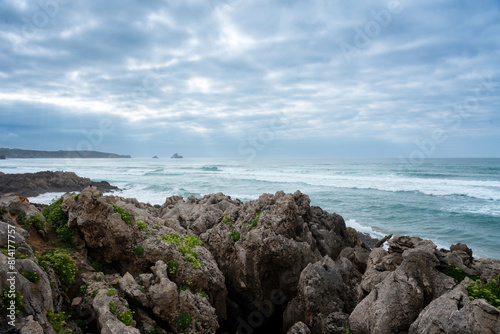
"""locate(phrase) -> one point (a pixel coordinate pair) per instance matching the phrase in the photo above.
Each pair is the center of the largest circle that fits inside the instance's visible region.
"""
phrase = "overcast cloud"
(234, 78)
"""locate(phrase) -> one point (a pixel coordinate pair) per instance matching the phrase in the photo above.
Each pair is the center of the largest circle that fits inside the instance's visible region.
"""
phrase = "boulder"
(327, 293)
(396, 302)
(358, 256)
(31, 326)
(455, 313)
(38, 297)
(299, 328)
(18, 235)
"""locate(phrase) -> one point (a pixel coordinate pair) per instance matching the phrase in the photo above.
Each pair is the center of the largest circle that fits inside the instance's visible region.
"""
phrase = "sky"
(252, 78)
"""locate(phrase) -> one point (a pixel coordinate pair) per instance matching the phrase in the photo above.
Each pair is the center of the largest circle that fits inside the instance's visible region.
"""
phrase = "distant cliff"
(18, 153)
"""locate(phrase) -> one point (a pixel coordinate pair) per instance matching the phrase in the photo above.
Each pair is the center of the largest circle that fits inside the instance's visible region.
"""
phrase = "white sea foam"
(489, 190)
(434, 201)
(363, 229)
(46, 198)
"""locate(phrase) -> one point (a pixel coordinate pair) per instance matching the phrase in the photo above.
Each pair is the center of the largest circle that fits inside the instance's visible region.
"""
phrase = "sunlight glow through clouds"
(227, 69)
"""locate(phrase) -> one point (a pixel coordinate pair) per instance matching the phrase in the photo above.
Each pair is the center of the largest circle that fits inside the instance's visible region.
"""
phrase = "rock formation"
(34, 184)
(218, 265)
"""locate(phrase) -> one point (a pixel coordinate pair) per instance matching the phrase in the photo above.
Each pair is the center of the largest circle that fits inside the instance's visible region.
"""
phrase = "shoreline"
(147, 196)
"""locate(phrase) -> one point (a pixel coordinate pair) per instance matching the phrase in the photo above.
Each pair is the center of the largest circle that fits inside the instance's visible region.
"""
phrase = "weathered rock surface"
(455, 313)
(38, 297)
(274, 265)
(34, 184)
(394, 303)
(299, 328)
(327, 293)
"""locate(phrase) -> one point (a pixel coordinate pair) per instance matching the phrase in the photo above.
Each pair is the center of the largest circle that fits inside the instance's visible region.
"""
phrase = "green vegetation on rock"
(172, 267)
(186, 245)
(125, 317)
(139, 251)
(256, 220)
(489, 291)
(20, 217)
(141, 225)
(8, 296)
(36, 222)
(112, 307)
(31, 276)
(124, 214)
(63, 265)
(58, 220)
(83, 288)
(458, 274)
(183, 321)
(235, 235)
(58, 321)
(227, 220)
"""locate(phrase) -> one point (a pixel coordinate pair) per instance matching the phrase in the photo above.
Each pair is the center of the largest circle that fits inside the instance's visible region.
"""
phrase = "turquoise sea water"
(445, 200)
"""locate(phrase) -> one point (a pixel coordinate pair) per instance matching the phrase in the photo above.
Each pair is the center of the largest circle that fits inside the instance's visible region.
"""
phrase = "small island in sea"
(177, 156)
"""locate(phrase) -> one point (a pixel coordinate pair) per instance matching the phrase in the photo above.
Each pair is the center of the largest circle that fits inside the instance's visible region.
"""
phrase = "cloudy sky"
(241, 78)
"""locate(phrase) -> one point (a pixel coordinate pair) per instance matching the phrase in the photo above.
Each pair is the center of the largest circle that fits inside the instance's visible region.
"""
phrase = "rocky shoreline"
(34, 184)
(218, 265)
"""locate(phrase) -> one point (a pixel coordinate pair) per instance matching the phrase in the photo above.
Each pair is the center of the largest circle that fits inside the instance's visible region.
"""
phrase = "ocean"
(444, 200)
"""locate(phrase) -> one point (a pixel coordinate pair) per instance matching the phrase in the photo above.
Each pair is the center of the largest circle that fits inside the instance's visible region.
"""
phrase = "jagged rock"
(379, 264)
(455, 313)
(98, 299)
(395, 303)
(329, 232)
(112, 240)
(336, 323)
(486, 268)
(299, 328)
(203, 317)
(325, 288)
(37, 297)
(399, 244)
(19, 237)
(271, 264)
(100, 226)
(280, 235)
(198, 215)
(32, 326)
(20, 204)
(383, 240)
(358, 256)
(466, 251)
(134, 291)
(163, 295)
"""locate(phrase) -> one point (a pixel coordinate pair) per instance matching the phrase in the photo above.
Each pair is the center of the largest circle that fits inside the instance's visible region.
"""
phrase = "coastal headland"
(14, 153)
(218, 265)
